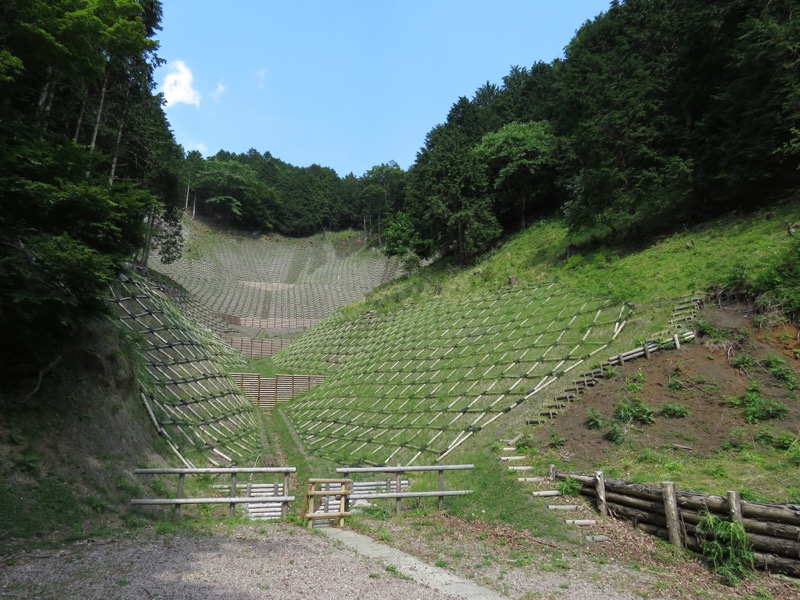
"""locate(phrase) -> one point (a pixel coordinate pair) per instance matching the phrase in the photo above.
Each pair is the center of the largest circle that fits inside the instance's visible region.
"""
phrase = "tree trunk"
(80, 121)
(116, 154)
(99, 113)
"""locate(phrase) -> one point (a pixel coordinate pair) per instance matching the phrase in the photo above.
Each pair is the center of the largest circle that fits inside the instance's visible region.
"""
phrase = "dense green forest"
(87, 162)
(661, 113)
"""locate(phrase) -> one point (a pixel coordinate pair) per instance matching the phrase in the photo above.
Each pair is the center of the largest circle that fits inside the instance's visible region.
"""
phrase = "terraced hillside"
(193, 403)
(266, 285)
(412, 386)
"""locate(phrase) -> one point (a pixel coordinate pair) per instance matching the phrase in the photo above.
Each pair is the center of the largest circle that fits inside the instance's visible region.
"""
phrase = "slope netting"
(416, 384)
(286, 285)
(194, 404)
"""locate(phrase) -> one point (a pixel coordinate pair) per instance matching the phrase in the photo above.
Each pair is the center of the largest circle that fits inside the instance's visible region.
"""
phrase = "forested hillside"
(660, 113)
(87, 161)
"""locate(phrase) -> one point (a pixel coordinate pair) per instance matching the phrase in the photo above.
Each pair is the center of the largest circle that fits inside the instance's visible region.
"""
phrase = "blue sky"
(346, 84)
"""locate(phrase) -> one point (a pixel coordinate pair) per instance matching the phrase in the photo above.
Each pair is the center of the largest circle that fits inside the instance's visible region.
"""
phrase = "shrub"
(569, 487)
(635, 410)
(616, 434)
(594, 420)
(756, 408)
(674, 411)
(726, 547)
(778, 368)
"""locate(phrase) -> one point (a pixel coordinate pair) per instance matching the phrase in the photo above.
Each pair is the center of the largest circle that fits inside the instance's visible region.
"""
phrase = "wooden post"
(646, 350)
(397, 480)
(232, 509)
(621, 359)
(600, 486)
(671, 512)
(441, 488)
(734, 506)
(346, 475)
(676, 341)
(551, 472)
(181, 478)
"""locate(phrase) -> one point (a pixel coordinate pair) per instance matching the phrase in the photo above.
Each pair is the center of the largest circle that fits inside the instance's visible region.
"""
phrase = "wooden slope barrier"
(665, 511)
(266, 392)
(233, 498)
(254, 348)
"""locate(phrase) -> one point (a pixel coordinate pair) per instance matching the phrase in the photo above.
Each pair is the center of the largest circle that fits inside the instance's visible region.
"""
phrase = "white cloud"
(200, 147)
(219, 91)
(178, 85)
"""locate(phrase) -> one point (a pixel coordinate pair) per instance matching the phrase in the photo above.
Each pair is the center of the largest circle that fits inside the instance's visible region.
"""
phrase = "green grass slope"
(430, 359)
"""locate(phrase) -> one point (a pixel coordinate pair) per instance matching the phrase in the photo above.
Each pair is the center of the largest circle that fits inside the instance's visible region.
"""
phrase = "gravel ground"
(272, 561)
(279, 560)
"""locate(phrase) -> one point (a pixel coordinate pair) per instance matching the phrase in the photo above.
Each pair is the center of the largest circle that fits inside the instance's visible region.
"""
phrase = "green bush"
(594, 420)
(726, 547)
(634, 410)
(674, 411)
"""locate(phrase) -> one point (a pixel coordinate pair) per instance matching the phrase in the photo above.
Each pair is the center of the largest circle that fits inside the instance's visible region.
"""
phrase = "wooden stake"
(600, 486)
(671, 512)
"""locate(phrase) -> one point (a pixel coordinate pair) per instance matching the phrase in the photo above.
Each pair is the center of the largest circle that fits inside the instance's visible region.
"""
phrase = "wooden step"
(520, 468)
(534, 421)
(509, 448)
(563, 506)
(532, 479)
(580, 522)
(544, 493)
(507, 458)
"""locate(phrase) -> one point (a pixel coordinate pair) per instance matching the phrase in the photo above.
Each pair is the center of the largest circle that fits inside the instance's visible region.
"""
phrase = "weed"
(569, 486)
(777, 367)
(610, 372)
(756, 408)
(441, 563)
(526, 442)
(556, 439)
(743, 362)
(616, 434)
(632, 386)
(27, 460)
(760, 594)
(674, 411)
(594, 420)
(639, 377)
(726, 547)
(634, 410)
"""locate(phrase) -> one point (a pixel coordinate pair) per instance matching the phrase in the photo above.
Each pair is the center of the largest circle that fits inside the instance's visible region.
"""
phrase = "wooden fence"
(265, 392)
(254, 348)
(232, 500)
(773, 529)
(398, 482)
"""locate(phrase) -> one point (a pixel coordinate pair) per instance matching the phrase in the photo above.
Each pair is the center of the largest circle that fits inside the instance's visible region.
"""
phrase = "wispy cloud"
(200, 147)
(218, 91)
(261, 79)
(178, 85)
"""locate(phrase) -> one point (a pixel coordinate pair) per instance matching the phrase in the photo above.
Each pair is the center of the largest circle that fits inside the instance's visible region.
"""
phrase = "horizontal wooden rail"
(232, 500)
(400, 469)
(213, 470)
(398, 472)
(237, 500)
(378, 495)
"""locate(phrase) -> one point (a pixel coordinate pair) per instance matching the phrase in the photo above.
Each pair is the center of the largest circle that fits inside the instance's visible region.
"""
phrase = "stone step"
(580, 522)
(563, 506)
(544, 493)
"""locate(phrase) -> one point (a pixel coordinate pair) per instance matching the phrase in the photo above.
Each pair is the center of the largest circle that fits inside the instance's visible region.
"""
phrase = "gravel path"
(272, 561)
(275, 560)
